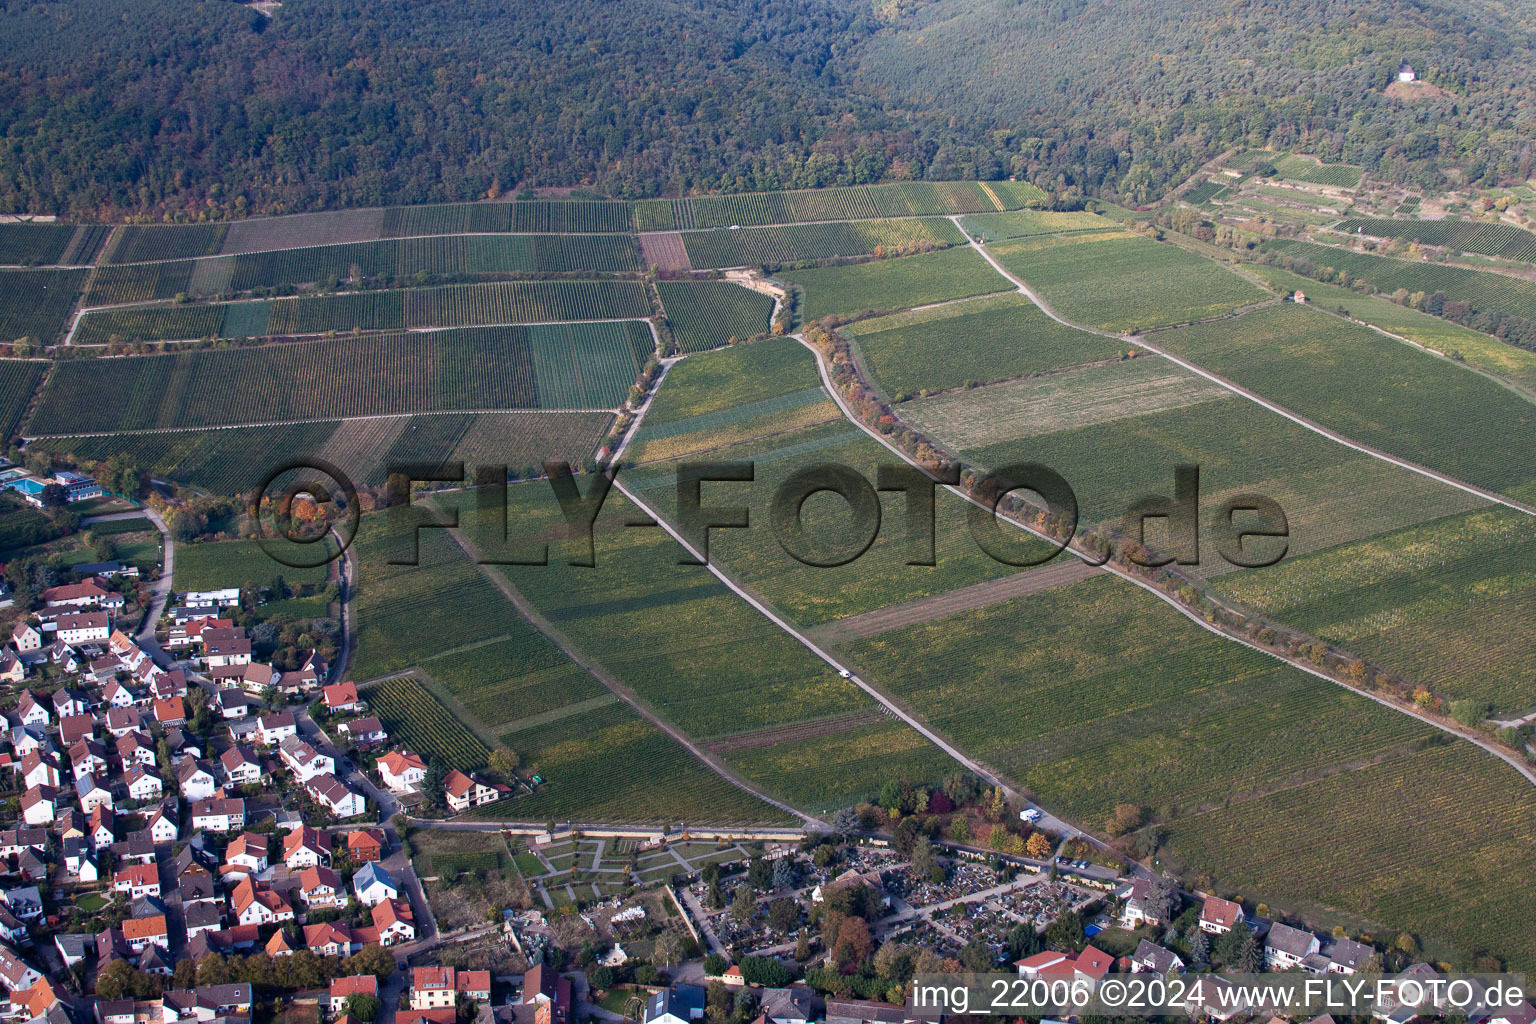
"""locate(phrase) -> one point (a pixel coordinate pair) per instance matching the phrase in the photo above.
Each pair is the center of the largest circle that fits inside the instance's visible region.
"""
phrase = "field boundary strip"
(1251, 396)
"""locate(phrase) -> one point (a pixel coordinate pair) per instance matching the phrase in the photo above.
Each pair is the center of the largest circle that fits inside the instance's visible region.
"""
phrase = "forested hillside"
(208, 108)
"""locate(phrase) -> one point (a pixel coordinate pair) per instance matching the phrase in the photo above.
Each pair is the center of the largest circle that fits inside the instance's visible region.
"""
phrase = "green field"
(549, 366)
(1081, 397)
(1097, 693)
(1486, 238)
(215, 565)
(612, 765)
(709, 314)
(1373, 390)
(1329, 493)
(1477, 349)
(449, 854)
(994, 227)
(732, 394)
(896, 283)
(233, 460)
(1484, 292)
(36, 303)
(814, 595)
(821, 771)
(981, 340)
(1124, 282)
(1444, 604)
(722, 247)
(416, 720)
(732, 377)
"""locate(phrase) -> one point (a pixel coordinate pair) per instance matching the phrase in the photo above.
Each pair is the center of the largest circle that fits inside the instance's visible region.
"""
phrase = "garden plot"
(1060, 401)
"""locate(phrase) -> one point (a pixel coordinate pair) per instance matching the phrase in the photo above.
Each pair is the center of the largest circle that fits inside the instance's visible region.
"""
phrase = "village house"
(305, 847)
(433, 988)
(402, 771)
(341, 698)
(331, 793)
(258, 906)
(363, 730)
(83, 627)
(137, 880)
(195, 780)
(1286, 947)
(225, 814)
(1219, 916)
(15, 973)
(320, 887)
(331, 938)
(393, 922)
(365, 845)
(343, 989)
(143, 785)
(142, 932)
(240, 766)
(464, 791)
(372, 883)
(304, 760)
(273, 729)
(248, 852)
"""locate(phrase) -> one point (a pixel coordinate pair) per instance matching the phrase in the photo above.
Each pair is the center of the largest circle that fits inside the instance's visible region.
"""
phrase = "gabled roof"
(1290, 940)
(1221, 912)
(400, 761)
(370, 873)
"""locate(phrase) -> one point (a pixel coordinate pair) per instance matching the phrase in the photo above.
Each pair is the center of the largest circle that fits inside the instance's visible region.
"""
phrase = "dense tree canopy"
(208, 108)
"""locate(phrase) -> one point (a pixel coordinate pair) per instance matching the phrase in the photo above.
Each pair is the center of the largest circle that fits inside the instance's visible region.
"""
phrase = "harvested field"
(1060, 401)
(664, 251)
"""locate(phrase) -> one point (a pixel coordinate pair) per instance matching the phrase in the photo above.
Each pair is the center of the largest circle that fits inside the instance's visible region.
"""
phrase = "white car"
(845, 673)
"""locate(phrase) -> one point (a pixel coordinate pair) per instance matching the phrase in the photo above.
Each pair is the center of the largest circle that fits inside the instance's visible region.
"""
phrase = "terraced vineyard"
(25, 244)
(1302, 168)
(1443, 603)
(709, 314)
(139, 282)
(18, 380)
(994, 227)
(1487, 238)
(1475, 348)
(896, 283)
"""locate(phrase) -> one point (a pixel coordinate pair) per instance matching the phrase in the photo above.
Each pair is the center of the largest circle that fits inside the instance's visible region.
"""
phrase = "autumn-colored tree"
(854, 943)
(1125, 818)
(1037, 846)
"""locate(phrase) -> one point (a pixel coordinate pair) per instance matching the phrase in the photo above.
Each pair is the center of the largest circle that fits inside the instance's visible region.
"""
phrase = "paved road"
(160, 590)
(388, 805)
